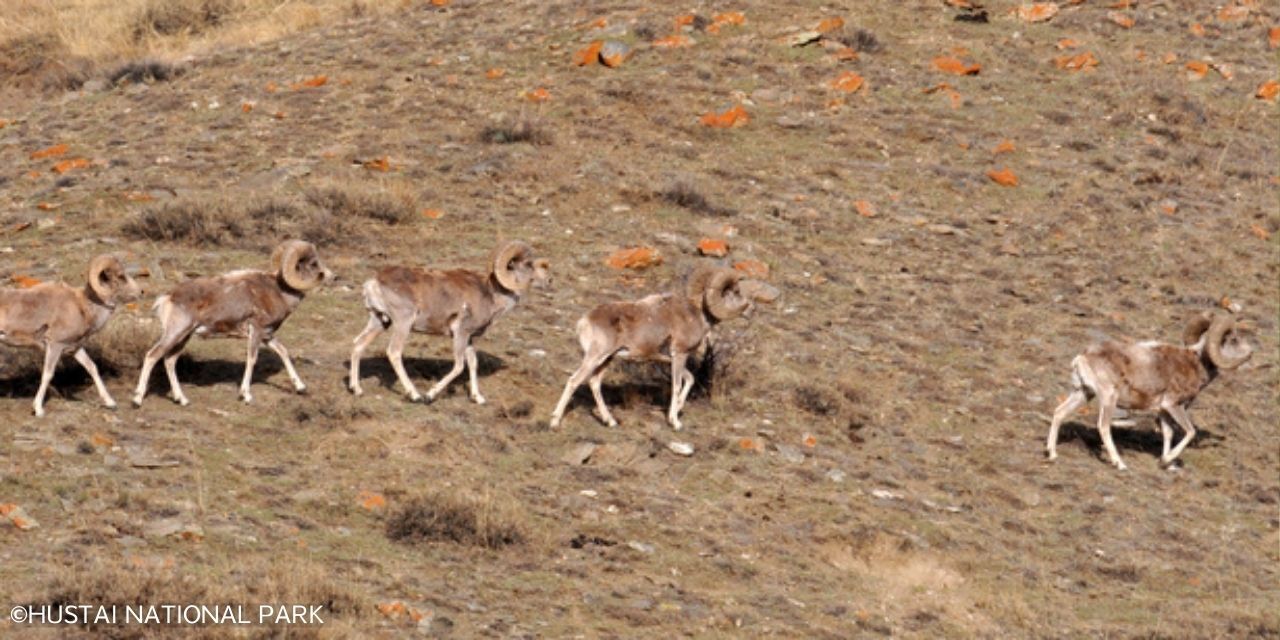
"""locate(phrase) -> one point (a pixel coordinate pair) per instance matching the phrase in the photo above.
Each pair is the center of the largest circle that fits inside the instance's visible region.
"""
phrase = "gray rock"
(790, 454)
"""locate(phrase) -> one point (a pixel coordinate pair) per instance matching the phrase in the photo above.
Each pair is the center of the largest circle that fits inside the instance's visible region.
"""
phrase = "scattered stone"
(173, 527)
(614, 53)
(802, 38)
(18, 517)
(876, 242)
(590, 493)
(836, 475)
(789, 453)
(945, 229)
(642, 547)
(579, 454)
(884, 494)
(681, 448)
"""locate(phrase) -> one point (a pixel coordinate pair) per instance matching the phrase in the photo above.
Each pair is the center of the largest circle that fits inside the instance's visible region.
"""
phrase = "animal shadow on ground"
(1144, 436)
(642, 384)
(426, 371)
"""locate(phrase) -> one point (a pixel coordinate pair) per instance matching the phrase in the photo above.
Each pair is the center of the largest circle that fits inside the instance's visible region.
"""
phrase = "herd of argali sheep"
(462, 304)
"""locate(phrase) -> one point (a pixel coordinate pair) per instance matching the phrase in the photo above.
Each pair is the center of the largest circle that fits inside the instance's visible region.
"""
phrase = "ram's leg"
(471, 368)
(1180, 414)
(589, 365)
(168, 346)
(595, 382)
(395, 353)
(175, 387)
(85, 361)
(459, 360)
(281, 351)
(52, 353)
(371, 331)
(1069, 406)
(687, 387)
(250, 359)
(678, 361)
(1166, 433)
(1107, 406)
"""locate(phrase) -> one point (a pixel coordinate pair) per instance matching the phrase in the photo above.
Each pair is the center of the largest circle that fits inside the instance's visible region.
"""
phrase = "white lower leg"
(92, 369)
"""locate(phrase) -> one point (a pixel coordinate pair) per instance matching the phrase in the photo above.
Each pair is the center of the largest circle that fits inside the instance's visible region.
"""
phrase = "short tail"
(375, 303)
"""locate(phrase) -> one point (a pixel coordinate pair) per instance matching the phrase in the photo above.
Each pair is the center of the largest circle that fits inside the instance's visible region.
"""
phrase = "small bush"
(685, 195)
(860, 40)
(462, 519)
(200, 222)
(819, 402)
(378, 205)
(509, 133)
(136, 71)
(121, 345)
(42, 61)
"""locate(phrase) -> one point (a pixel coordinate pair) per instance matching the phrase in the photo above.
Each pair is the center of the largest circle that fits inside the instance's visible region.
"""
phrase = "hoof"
(1050, 456)
(247, 399)
(356, 391)
(301, 389)
(478, 399)
(137, 401)
(418, 397)
(39, 413)
(111, 405)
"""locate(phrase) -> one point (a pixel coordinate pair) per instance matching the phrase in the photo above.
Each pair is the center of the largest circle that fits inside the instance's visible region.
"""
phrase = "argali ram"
(247, 304)
(1152, 376)
(57, 317)
(665, 327)
(458, 303)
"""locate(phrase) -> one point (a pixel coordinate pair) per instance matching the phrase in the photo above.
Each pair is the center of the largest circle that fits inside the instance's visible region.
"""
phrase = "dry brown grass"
(475, 520)
(62, 43)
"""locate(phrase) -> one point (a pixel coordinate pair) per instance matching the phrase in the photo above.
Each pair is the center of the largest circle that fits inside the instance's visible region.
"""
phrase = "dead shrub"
(860, 40)
(466, 519)
(120, 345)
(379, 205)
(148, 70)
(510, 133)
(42, 60)
(815, 400)
(684, 195)
(197, 222)
(180, 17)
(19, 364)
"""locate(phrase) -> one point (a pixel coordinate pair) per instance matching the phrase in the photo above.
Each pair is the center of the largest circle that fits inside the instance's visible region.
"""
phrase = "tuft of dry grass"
(397, 206)
(522, 131)
(120, 345)
(461, 518)
(685, 195)
(195, 222)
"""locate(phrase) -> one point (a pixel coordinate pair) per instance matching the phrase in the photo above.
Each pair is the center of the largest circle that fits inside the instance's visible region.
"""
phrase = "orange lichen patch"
(279, 115)
(588, 54)
(310, 83)
(68, 165)
(1169, 58)
(684, 20)
(271, 87)
(137, 196)
(1196, 29)
(100, 439)
(1273, 38)
(1082, 62)
(246, 107)
(827, 25)
(1067, 43)
(439, 3)
(23, 281)
(809, 440)
(1003, 177)
(50, 152)
(847, 82)
(371, 501)
(864, 209)
(3, 123)
(957, 66)
(673, 41)
(1038, 11)
(1125, 20)
(47, 206)
(752, 268)
(1257, 230)
(538, 95)
(734, 18)
(962, 4)
(846, 54)
(714, 247)
(378, 164)
(391, 609)
(1267, 90)
(751, 444)
(634, 258)
(1233, 13)
(495, 73)
(433, 214)
(1005, 146)
(735, 116)
(1196, 70)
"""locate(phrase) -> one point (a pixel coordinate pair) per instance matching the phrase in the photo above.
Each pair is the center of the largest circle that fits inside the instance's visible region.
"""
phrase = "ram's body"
(667, 327)
(1151, 376)
(458, 303)
(57, 317)
(245, 304)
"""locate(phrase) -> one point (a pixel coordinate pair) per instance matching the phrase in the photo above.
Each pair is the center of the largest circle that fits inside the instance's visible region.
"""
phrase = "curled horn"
(285, 259)
(1196, 328)
(502, 259)
(723, 301)
(1217, 331)
(97, 267)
